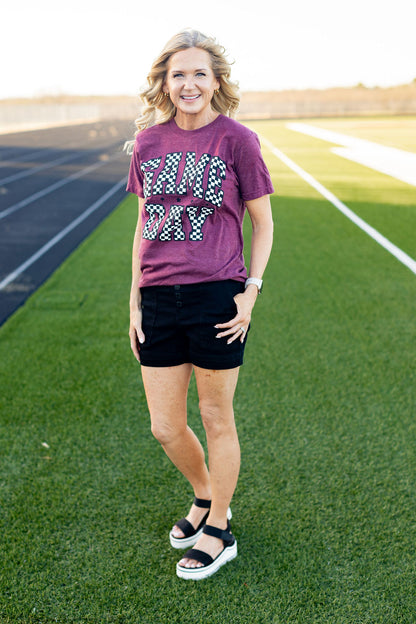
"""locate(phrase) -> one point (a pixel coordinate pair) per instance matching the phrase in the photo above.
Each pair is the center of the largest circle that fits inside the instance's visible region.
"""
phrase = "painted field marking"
(389, 160)
(53, 187)
(379, 238)
(12, 276)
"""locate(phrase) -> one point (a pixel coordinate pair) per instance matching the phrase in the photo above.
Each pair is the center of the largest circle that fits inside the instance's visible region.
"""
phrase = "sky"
(91, 47)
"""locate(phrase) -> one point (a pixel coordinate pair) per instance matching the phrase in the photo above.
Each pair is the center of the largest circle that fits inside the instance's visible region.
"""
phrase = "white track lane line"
(381, 240)
(53, 187)
(33, 170)
(24, 157)
(12, 276)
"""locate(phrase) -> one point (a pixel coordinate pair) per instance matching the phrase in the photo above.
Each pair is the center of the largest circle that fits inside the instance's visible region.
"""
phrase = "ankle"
(218, 521)
(204, 495)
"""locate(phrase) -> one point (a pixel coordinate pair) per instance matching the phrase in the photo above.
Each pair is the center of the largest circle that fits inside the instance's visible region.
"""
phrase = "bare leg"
(166, 392)
(216, 392)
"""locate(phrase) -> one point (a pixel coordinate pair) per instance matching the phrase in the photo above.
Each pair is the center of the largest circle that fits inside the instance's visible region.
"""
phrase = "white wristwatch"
(257, 282)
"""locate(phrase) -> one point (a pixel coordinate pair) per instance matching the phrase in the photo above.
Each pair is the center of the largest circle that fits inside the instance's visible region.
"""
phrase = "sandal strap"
(226, 536)
(201, 502)
(186, 527)
(199, 555)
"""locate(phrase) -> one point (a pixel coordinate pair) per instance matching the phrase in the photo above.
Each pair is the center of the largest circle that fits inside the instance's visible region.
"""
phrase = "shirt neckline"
(174, 126)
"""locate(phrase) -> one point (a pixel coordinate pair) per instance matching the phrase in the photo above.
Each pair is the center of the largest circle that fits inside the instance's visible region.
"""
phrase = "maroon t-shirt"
(195, 183)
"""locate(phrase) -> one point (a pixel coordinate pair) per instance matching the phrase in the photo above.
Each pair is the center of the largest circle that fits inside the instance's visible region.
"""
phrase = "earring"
(166, 95)
(216, 91)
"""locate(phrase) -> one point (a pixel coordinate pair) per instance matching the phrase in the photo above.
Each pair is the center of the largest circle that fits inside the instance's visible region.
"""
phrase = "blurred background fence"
(335, 102)
(28, 114)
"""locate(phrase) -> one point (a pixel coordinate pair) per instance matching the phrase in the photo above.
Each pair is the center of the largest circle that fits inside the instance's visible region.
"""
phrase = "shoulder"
(237, 129)
(239, 138)
(238, 142)
(150, 134)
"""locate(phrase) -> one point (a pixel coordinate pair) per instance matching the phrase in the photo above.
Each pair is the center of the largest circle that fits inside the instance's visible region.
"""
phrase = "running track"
(56, 186)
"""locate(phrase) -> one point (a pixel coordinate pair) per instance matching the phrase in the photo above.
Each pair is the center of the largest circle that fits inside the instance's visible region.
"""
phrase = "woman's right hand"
(135, 332)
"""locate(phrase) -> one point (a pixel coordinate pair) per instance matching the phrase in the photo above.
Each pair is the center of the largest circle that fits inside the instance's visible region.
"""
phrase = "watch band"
(257, 282)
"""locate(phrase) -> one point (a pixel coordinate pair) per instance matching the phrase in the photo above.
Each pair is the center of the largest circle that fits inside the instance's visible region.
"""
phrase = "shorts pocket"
(218, 305)
(149, 308)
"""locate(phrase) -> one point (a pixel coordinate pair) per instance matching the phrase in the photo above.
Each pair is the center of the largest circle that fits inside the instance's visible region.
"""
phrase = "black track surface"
(27, 168)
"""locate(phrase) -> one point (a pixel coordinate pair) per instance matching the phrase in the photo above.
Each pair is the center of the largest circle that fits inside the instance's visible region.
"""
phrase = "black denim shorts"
(178, 324)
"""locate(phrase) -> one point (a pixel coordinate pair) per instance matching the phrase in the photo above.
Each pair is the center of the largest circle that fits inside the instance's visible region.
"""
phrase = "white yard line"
(389, 160)
(12, 276)
(53, 187)
(381, 240)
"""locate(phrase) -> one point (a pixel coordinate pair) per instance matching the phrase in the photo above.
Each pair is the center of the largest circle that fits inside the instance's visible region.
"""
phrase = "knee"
(164, 432)
(217, 420)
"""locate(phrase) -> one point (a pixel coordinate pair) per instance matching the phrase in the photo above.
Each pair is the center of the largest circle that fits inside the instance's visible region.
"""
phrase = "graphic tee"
(195, 184)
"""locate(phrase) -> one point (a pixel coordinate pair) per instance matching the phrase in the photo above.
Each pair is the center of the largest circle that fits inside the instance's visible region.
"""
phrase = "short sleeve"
(253, 175)
(135, 179)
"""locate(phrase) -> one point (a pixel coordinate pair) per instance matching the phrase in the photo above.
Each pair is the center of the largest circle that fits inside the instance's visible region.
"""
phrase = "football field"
(324, 512)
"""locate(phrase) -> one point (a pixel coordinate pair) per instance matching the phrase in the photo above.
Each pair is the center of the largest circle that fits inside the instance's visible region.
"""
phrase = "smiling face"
(191, 83)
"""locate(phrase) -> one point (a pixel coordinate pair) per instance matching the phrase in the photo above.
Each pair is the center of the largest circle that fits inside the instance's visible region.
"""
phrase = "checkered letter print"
(215, 177)
(156, 214)
(173, 225)
(197, 221)
(168, 175)
(148, 168)
(193, 175)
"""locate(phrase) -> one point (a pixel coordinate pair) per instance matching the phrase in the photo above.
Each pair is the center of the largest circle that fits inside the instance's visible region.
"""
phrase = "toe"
(190, 563)
(176, 532)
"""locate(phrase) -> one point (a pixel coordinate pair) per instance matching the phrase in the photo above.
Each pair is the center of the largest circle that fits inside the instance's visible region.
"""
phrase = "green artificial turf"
(325, 508)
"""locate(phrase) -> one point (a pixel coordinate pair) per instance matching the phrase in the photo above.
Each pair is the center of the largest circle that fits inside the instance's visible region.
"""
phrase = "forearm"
(261, 246)
(135, 298)
(262, 235)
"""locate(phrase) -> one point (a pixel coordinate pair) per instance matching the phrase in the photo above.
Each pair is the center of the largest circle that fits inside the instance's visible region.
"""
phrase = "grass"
(325, 508)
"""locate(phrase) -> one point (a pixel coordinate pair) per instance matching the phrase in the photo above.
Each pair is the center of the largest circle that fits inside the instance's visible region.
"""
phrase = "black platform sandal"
(192, 535)
(210, 565)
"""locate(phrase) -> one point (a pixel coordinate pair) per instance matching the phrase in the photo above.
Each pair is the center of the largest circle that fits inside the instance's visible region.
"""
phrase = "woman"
(195, 171)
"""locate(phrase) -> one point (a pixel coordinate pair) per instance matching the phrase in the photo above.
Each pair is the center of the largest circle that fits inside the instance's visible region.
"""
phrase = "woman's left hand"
(238, 326)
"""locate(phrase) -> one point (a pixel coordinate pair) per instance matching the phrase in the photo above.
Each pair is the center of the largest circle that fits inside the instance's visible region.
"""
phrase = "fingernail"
(141, 340)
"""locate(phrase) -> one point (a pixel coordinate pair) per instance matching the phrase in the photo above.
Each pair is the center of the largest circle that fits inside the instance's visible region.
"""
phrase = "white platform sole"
(197, 574)
(188, 542)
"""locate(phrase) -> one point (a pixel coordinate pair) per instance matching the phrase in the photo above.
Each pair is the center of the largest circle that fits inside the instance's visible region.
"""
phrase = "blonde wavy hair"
(159, 109)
